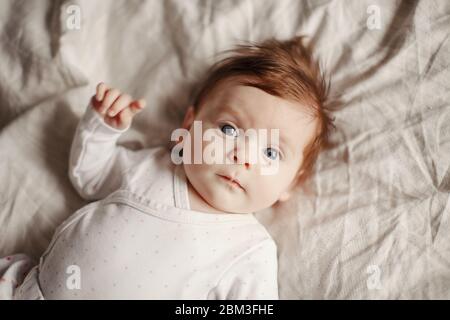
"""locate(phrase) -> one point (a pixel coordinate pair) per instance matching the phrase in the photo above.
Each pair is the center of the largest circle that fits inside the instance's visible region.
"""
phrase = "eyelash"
(222, 125)
(280, 154)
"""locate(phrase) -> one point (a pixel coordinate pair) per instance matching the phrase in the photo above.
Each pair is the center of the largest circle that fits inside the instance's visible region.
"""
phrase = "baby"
(165, 225)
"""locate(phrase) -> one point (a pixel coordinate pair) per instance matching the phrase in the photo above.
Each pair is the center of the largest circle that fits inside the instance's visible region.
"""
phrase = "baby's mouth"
(235, 182)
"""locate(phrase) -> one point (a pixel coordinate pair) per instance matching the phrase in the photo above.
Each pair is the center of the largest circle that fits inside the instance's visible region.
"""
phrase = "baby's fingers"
(137, 105)
(121, 103)
(124, 118)
(101, 89)
(110, 97)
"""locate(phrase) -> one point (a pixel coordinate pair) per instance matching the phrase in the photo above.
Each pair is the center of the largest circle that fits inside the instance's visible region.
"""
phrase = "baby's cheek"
(216, 148)
(265, 191)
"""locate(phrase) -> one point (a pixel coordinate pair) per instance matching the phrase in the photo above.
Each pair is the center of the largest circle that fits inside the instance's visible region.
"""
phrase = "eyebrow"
(233, 111)
(226, 108)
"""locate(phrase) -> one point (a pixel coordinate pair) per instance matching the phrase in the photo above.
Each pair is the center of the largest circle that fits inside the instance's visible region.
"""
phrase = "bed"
(374, 220)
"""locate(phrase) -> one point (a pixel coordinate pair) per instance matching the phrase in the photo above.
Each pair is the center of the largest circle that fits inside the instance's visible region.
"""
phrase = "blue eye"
(229, 130)
(271, 153)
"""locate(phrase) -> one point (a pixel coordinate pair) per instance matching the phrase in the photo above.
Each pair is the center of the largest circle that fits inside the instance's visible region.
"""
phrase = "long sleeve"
(96, 162)
(252, 276)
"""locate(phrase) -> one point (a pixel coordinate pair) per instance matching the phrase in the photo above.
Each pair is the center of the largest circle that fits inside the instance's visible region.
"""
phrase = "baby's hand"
(117, 109)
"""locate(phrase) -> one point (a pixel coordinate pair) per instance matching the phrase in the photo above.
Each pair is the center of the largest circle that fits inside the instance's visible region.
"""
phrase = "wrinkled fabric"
(138, 238)
(13, 271)
(372, 222)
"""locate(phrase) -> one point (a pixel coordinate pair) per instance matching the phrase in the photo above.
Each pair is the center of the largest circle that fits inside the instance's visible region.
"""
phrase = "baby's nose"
(246, 163)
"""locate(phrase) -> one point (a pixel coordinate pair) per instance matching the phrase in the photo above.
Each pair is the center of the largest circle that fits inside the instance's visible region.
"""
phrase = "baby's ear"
(286, 195)
(188, 118)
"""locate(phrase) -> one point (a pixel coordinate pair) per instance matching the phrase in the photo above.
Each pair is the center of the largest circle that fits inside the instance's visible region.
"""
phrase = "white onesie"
(140, 240)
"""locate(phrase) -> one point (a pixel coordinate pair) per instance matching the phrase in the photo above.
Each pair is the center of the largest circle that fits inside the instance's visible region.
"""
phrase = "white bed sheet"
(374, 220)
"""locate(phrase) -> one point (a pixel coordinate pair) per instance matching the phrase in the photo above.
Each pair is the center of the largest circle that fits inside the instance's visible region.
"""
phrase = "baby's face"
(229, 111)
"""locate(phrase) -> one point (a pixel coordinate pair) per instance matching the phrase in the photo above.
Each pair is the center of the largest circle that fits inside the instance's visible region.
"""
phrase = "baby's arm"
(96, 163)
(253, 276)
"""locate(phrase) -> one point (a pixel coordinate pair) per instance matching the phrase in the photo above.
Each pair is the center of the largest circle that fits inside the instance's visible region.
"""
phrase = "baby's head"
(272, 85)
